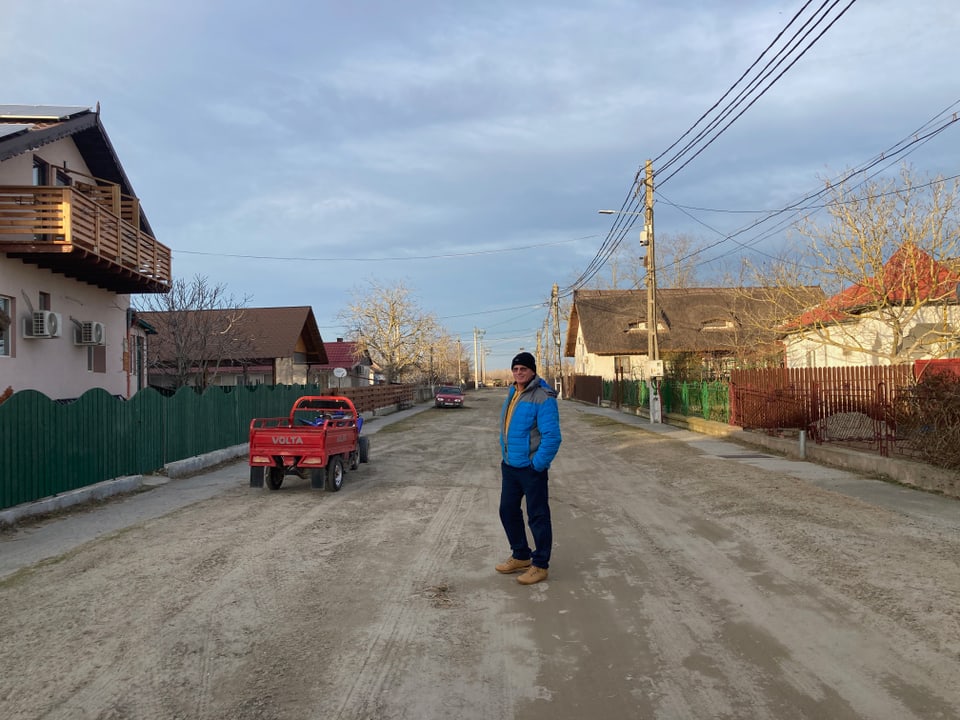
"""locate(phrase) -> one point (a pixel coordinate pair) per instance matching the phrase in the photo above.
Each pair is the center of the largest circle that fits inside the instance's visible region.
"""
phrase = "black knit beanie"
(525, 359)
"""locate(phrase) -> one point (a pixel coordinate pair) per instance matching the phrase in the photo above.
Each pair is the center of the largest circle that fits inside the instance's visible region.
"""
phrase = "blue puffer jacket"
(533, 435)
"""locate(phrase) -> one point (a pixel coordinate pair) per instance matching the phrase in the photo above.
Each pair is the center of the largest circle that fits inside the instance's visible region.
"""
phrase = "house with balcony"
(710, 330)
(236, 346)
(75, 244)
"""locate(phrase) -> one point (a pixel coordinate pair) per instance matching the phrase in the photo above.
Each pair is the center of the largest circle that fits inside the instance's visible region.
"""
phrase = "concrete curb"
(906, 472)
(192, 465)
(51, 504)
(118, 486)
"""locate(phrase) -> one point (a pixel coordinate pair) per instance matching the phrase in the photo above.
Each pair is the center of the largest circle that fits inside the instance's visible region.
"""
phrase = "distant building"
(240, 346)
(357, 365)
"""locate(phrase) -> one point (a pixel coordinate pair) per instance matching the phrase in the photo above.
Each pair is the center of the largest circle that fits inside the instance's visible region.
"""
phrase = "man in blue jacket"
(529, 440)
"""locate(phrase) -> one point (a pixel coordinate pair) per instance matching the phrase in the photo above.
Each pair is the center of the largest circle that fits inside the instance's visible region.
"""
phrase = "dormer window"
(716, 324)
(641, 326)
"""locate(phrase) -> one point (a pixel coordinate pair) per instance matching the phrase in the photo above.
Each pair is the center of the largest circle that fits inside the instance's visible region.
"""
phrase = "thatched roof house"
(719, 323)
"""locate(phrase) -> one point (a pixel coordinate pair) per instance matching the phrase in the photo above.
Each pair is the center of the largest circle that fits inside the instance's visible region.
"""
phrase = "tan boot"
(512, 565)
(533, 575)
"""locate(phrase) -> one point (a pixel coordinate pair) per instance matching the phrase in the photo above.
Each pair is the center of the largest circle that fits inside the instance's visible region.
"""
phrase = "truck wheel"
(334, 474)
(275, 478)
(364, 449)
(256, 476)
(354, 459)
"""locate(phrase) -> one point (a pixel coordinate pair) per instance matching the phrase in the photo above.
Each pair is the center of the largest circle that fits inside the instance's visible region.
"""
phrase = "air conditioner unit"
(42, 324)
(89, 333)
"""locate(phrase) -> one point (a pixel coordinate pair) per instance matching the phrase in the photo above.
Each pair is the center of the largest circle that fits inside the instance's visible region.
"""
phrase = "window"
(40, 172)
(6, 326)
(641, 326)
(97, 358)
(44, 301)
(717, 324)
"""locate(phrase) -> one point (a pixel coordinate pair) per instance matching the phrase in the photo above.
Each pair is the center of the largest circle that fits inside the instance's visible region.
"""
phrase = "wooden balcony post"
(66, 200)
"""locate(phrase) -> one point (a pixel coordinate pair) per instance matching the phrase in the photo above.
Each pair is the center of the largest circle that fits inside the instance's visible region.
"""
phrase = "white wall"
(56, 366)
(586, 363)
(19, 170)
(864, 343)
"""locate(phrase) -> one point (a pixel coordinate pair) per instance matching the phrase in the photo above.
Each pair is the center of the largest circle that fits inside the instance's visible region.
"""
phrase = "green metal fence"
(47, 448)
(709, 400)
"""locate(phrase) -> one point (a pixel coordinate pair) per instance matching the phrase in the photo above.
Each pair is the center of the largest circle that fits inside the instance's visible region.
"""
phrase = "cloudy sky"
(297, 151)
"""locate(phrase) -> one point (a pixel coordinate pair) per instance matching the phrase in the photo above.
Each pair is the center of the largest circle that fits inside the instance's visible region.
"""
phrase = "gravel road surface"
(691, 578)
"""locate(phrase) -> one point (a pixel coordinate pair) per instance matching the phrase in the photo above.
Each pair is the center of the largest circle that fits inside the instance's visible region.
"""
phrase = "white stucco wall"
(19, 170)
(864, 343)
(56, 366)
(587, 363)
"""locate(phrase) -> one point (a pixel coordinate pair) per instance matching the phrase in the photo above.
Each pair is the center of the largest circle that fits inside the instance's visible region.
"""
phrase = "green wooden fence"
(47, 448)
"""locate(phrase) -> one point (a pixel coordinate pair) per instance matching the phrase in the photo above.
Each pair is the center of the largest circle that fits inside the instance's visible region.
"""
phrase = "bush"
(927, 419)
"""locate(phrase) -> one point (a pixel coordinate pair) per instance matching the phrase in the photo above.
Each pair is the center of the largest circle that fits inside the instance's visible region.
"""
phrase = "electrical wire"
(620, 226)
(387, 259)
(743, 96)
(807, 205)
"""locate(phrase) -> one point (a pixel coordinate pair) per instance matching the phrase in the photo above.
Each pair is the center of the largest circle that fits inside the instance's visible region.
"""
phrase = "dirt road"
(683, 585)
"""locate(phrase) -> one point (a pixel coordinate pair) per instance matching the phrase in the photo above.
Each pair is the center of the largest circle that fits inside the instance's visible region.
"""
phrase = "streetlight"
(654, 369)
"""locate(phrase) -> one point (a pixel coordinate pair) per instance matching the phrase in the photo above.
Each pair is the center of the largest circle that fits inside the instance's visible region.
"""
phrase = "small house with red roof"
(356, 365)
(908, 311)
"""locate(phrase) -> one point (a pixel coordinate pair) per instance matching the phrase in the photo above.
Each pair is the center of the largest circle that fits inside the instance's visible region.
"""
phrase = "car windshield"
(449, 391)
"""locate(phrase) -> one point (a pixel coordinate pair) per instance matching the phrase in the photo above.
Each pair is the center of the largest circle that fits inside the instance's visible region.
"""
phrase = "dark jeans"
(518, 483)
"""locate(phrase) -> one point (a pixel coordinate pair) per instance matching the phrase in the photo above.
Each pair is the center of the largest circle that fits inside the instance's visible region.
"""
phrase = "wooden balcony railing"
(91, 235)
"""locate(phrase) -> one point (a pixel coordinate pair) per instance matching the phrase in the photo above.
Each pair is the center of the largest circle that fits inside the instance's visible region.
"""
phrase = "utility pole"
(555, 297)
(539, 353)
(654, 367)
(476, 360)
(478, 356)
(459, 371)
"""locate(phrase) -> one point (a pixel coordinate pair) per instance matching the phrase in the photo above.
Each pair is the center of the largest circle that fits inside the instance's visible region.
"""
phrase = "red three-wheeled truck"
(319, 438)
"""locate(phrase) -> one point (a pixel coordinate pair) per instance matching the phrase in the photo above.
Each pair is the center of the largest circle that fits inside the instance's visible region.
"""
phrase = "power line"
(385, 259)
(621, 226)
(743, 96)
(732, 87)
(807, 204)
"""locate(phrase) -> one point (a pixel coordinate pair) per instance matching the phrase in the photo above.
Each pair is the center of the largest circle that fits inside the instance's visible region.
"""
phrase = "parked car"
(449, 396)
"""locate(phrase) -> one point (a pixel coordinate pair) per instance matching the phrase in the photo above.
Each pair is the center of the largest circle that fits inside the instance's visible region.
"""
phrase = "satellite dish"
(339, 372)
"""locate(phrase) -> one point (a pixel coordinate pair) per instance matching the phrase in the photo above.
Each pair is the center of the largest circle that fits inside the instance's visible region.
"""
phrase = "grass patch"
(599, 420)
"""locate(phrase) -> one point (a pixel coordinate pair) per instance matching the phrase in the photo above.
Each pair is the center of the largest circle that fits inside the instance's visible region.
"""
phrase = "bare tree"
(449, 362)
(387, 322)
(199, 327)
(887, 258)
(677, 257)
